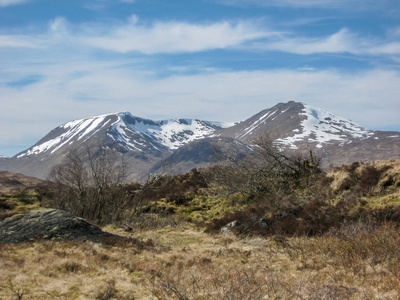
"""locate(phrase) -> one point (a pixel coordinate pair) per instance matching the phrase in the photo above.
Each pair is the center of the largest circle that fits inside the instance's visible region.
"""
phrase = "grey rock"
(48, 224)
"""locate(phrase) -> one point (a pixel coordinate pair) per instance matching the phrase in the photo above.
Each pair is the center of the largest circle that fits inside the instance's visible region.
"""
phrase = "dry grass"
(355, 262)
(177, 260)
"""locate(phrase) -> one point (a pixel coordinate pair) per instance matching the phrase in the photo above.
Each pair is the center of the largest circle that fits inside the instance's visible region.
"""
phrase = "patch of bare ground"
(354, 262)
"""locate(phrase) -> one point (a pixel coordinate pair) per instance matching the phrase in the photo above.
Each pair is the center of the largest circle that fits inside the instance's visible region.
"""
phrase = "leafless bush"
(267, 171)
(355, 246)
(208, 281)
(15, 291)
(90, 184)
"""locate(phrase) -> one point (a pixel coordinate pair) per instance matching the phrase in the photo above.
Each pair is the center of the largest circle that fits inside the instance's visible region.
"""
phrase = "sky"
(216, 60)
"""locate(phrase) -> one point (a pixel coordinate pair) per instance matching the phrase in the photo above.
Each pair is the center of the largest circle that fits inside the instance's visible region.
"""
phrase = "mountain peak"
(319, 126)
(293, 122)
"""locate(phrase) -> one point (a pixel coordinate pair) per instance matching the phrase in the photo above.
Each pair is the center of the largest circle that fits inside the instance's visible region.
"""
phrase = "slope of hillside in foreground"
(170, 257)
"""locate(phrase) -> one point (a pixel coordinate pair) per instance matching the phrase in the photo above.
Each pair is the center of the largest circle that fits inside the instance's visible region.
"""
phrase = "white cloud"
(340, 4)
(159, 37)
(343, 41)
(180, 37)
(4, 3)
(174, 37)
(16, 41)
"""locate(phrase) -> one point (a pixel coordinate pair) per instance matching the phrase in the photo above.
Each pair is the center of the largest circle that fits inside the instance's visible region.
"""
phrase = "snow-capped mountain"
(295, 122)
(181, 144)
(142, 141)
(301, 127)
(322, 127)
(129, 132)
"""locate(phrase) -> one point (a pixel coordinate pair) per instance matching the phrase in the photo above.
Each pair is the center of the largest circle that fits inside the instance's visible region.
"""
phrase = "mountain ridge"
(148, 145)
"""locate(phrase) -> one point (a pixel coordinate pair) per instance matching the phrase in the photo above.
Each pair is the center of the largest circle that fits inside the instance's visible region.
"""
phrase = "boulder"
(227, 229)
(48, 224)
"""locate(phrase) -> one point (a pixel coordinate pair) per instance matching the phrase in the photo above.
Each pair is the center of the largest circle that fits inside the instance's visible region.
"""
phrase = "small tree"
(90, 184)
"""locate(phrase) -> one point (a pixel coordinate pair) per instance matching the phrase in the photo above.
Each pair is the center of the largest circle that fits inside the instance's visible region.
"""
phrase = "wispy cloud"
(181, 37)
(4, 3)
(159, 37)
(343, 41)
(174, 37)
(18, 41)
(341, 4)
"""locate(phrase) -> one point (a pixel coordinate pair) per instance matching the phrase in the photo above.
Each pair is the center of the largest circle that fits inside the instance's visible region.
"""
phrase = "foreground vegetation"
(357, 262)
(300, 233)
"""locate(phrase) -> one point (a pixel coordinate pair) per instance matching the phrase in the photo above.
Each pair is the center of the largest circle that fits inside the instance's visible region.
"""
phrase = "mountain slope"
(181, 144)
(201, 153)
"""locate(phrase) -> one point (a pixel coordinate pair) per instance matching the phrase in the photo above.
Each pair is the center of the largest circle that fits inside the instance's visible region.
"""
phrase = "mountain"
(142, 141)
(178, 145)
(301, 127)
(293, 123)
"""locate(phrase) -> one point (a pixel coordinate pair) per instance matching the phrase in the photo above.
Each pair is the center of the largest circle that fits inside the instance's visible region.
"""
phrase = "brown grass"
(354, 262)
(347, 249)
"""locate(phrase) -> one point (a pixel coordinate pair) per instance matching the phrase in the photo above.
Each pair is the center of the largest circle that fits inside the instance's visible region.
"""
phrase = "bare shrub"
(207, 281)
(90, 184)
(354, 246)
(15, 291)
(369, 178)
(267, 172)
(109, 292)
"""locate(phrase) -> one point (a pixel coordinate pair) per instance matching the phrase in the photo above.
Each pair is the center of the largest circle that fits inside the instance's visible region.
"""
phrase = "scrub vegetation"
(299, 233)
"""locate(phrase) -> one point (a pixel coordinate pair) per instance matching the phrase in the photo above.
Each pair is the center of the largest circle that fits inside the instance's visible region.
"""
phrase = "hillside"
(11, 182)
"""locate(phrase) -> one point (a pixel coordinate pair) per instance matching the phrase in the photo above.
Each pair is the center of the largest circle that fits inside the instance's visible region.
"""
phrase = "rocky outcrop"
(48, 224)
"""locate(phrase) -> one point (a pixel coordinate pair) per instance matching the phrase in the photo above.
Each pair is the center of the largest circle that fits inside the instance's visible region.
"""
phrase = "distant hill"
(11, 182)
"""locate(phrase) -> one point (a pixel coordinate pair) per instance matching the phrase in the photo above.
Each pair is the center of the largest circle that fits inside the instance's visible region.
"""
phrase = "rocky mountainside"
(181, 144)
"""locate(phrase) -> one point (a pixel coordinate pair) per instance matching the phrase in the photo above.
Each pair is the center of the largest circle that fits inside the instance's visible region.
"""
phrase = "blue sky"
(222, 60)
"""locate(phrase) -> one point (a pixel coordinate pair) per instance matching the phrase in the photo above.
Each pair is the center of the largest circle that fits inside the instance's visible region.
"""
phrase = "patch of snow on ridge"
(322, 127)
(77, 128)
(178, 132)
(172, 133)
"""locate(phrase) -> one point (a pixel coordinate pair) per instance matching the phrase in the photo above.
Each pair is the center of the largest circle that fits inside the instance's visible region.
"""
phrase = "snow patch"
(172, 133)
(73, 129)
(322, 127)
